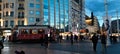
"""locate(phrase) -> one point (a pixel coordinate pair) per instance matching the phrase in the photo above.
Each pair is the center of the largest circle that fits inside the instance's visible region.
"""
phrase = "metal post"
(106, 9)
(49, 12)
(59, 14)
(64, 14)
(117, 23)
(54, 13)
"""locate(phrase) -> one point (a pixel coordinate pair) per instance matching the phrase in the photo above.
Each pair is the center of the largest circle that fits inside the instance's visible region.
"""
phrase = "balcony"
(21, 17)
(21, 0)
(20, 8)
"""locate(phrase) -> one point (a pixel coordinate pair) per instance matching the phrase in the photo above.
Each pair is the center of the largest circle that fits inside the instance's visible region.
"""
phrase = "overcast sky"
(98, 8)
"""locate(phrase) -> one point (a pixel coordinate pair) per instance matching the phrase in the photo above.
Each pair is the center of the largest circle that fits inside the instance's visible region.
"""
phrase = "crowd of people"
(72, 38)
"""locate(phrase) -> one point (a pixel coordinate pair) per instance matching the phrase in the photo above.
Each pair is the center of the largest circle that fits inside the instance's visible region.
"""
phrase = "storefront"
(5, 32)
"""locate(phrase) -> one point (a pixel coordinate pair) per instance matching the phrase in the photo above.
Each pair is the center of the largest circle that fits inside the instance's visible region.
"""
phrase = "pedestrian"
(46, 41)
(19, 52)
(67, 37)
(71, 38)
(103, 42)
(3, 38)
(22, 52)
(94, 41)
(1, 47)
(75, 37)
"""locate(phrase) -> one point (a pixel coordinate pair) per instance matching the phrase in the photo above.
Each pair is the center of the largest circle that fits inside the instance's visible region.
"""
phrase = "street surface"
(83, 47)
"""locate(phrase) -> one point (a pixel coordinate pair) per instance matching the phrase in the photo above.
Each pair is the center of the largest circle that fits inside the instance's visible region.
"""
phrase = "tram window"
(30, 31)
(40, 31)
(34, 32)
(24, 31)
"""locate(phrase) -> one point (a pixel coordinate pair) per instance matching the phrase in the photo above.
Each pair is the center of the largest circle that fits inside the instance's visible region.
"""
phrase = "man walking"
(1, 47)
(94, 41)
(103, 42)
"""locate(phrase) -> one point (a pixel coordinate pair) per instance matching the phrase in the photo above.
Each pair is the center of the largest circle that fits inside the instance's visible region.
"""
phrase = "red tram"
(31, 33)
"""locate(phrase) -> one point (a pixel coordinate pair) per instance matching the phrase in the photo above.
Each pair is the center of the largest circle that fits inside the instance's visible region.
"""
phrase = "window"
(37, 0)
(3, 5)
(11, 13)
(37, 19)
(31, 19)
(11, 5)
(45, 6)
(37, 12)
(7, 5)
(6, 23)
(37, 5)
(0, 16)
(21, 5)
(22, 14)
(22, 22)
(7, 13)
(31, 12)
(18, 22)
(0, 8)
(0, 24)
(12, 23)
(31, 5)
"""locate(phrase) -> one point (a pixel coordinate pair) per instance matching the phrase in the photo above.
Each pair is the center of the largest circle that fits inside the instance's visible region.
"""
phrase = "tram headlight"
(48, 35)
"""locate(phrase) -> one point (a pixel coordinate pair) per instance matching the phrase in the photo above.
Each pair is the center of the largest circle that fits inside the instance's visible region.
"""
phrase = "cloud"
(95, 6)
(98, 7)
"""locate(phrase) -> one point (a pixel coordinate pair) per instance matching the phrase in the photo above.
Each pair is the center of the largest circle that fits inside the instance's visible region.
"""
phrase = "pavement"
(81, 47)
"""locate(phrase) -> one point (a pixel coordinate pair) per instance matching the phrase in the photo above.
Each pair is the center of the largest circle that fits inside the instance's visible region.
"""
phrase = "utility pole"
(48, 12)
(64, 14)
(54, 14)
(117, 23)
(107, 21)
(59, 15)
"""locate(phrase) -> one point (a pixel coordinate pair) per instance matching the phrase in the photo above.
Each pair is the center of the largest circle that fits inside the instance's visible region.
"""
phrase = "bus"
(30, 33)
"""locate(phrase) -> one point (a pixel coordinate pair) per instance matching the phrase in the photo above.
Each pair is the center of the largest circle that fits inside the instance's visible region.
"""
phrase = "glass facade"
(58, 10)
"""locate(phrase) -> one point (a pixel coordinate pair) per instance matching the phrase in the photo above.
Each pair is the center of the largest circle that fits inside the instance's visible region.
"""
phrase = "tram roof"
(5, 28)
(33, 26)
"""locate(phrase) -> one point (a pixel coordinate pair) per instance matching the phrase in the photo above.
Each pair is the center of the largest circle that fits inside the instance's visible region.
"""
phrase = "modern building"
(114, 26)
(56, 13)
(77, 15)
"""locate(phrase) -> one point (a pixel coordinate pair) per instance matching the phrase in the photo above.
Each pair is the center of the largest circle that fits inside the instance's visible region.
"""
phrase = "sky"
(98, 9)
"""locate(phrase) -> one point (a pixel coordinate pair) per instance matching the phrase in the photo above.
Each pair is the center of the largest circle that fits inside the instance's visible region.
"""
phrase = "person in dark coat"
(1, 46)
(94, 41)
(103, 42)
(71, 38)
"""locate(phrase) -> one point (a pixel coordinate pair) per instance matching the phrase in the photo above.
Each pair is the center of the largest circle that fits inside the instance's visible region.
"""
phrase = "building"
(92, 24)
(20, 12)
(114, 26)
(77, 15)
(56, 13)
